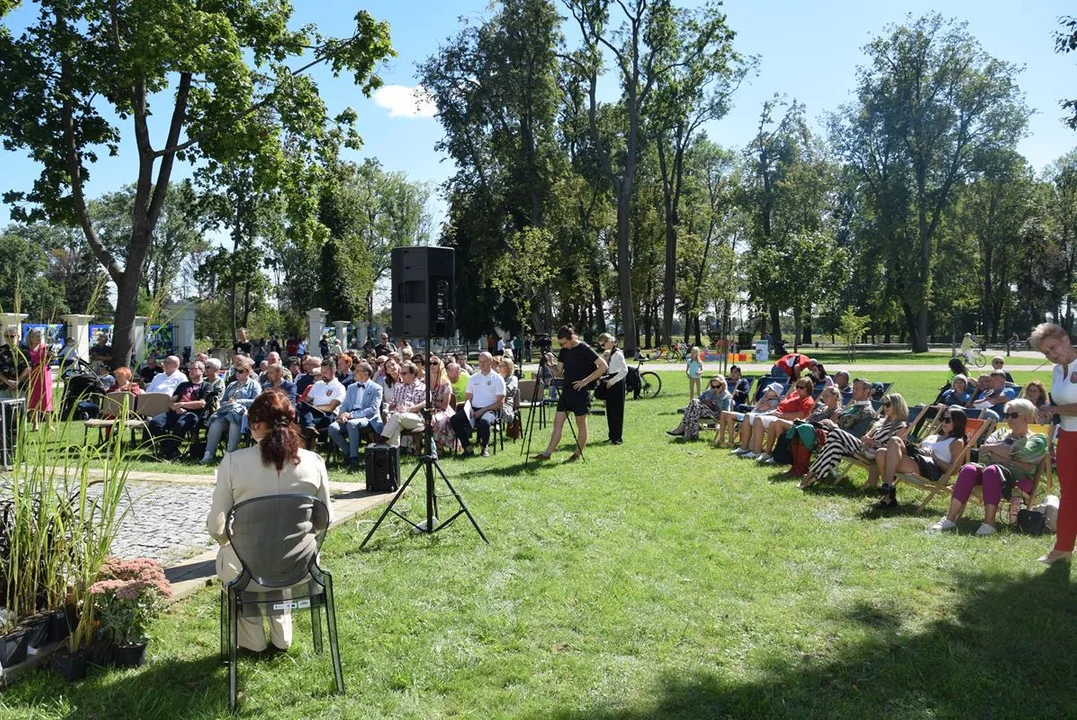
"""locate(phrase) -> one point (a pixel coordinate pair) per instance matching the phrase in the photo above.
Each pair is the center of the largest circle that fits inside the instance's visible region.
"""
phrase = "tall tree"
(497, 93)
(82, 62)
(703, 71)
(1066, 41)
(933, 101)
(641, 51)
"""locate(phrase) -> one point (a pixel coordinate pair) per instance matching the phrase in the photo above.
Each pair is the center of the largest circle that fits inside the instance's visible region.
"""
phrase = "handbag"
(515, 428)
(1032, 522)
(601, 389)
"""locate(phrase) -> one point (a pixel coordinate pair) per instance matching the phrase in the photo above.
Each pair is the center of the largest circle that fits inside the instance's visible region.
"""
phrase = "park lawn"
(837, 356)
(660, 579)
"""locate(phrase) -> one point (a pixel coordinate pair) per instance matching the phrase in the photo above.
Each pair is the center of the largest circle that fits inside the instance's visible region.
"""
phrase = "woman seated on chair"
(739, 387)
(440, 394)
(825, 408)
(229, 417)
(841, 444)
(727, 421)
(958, 394)
(753, 429)
(711, 403)
(1036, 393)
(278, 464)
(1012, 468)
(931, 458)
(274, 378)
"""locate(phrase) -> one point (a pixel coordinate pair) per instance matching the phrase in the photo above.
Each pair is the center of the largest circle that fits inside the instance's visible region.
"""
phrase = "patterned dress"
(444, 437)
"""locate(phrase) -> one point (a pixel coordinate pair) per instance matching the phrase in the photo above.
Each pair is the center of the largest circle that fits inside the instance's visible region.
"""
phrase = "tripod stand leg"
(389, 508)
(463, 505)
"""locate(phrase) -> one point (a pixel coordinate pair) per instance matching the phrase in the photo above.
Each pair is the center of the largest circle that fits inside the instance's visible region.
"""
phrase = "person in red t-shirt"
(753, 430)
(792, 366)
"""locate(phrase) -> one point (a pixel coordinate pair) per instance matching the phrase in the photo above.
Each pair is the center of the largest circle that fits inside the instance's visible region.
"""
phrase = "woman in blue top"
(237, 397)
(958, 394)
(694, 370)
(715, 400)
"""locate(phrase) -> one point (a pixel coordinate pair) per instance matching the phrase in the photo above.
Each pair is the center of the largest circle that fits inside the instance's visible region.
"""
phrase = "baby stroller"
(83, 392)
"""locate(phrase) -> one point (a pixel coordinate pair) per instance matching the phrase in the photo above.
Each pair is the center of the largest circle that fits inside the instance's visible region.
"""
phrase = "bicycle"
(648, 384)
(976, 357)
(677, 353)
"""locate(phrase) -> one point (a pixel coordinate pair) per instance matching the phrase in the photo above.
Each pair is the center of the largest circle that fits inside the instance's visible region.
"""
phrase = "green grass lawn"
(659, 579)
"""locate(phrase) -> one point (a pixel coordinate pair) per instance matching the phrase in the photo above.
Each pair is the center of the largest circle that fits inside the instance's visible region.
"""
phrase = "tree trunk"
(123, 336)
(775, 323)
(796, 328)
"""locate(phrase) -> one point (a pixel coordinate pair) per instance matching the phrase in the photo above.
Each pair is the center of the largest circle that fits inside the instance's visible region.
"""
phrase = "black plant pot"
(69, 666)
(99, 653)
(13, 647)
(59, 628)
(37, 632)
(129, 655)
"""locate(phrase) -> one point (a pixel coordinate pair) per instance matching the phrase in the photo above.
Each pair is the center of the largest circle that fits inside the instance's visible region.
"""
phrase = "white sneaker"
(943, 525)
(763, 457)
(768, 461)
(985, 530)
(740, 451)
(749, 455)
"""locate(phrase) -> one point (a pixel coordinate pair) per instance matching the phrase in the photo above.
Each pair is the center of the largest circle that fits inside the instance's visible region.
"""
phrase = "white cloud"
(404, 101)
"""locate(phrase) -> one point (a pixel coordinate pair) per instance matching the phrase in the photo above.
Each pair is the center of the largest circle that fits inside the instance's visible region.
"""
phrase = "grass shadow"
(957, 666)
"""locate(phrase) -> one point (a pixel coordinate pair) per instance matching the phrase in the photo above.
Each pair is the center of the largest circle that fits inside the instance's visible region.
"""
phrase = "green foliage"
(222, 76)
(853, 327)
(1066, 41)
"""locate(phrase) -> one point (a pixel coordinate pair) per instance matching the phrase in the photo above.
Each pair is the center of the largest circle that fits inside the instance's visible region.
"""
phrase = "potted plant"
(129, 595)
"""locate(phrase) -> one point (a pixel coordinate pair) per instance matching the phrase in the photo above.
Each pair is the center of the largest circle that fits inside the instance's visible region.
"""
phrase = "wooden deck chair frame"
(1042, 474)
(974, 433)
(849, 463)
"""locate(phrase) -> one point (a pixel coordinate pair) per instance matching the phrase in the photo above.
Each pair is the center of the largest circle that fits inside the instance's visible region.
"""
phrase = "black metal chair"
(276, 539)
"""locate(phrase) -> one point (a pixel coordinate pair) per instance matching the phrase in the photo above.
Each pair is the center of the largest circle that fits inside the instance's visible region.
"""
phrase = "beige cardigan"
(242, 476)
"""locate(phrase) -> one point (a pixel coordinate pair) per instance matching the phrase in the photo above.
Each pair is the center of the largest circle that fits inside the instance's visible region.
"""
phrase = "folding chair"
(276, 539)
(975, 431)
(1042, 474)
(117, 412)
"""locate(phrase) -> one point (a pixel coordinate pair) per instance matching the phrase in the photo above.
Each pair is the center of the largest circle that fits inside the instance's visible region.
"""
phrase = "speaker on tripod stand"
(424, 291)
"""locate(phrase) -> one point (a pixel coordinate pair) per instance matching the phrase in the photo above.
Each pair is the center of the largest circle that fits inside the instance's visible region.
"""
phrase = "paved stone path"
(164, 521)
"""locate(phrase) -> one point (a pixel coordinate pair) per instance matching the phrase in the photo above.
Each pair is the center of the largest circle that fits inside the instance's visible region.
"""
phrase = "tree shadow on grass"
(1004, 649)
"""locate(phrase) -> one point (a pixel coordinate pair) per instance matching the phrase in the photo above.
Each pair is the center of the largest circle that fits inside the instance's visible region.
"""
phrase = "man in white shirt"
(319, 408)
(485, 395)
(169, 380)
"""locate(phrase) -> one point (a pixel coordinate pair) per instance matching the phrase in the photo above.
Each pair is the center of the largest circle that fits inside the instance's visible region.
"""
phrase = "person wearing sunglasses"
(711, 403)
(232, 411)
(1004, 468)
(931, 458)
(841, 444)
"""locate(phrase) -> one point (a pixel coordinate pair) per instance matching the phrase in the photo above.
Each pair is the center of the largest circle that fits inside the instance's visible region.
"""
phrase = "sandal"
(541, 456)
(807, 482)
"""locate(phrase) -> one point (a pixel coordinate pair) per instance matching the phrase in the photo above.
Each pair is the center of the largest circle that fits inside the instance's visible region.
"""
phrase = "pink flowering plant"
(128, 595)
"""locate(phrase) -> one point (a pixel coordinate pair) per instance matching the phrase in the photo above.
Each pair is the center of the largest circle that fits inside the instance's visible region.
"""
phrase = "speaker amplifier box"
(382, 468)
(424, 291)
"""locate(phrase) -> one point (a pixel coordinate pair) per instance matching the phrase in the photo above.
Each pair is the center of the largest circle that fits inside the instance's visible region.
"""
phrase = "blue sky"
(808, 50)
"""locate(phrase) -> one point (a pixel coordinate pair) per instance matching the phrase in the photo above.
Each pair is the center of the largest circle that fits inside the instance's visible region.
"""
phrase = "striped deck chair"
(1042, 474)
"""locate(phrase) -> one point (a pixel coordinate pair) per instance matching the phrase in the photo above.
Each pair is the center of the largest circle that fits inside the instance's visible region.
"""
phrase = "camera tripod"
(538, 401)
(428, 462)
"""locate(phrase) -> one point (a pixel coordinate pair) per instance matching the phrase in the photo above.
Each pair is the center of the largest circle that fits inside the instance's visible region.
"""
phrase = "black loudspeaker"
(424, 291)
(382, 468)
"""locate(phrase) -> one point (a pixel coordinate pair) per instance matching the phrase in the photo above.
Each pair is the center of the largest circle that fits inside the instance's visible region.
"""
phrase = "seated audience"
(507, 368)
(739, 387)
(184, 415)
(232, 411)
(1036, 393)
(273, 377)
(931, 457)
(277, 464)
(958, 394)
(483, 400)
(996, 396)
(827, 407)
(311, 371)
(405, 405)
(1011, 467)
(442, 393)
(998, 363)
(711, 403)
(841, 444)
(213, 377)
(818, 375)
(457, 378)
(753, 428)
(344, 370)
(360, 409)
(150, 370)
(727, 421)
(122, 382)
(167, 381)
(318, 407)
